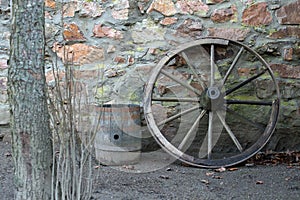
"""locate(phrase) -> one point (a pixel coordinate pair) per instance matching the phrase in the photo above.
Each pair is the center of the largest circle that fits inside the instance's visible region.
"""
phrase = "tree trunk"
(31, 136)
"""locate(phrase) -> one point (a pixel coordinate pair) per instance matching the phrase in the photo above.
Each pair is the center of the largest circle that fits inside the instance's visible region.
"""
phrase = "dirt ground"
(265, 179)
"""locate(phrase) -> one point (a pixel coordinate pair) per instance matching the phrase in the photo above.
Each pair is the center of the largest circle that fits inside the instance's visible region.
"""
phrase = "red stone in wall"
(103, 31)
(69, 9)
(169, 21)
(288, 54)
(286, 32)
(119, 59)
(91, 9)
(165, 7)
(196, 7)
(190, 28)
(257, 15)
(286, 71)
(223, 15)
(289, 14)
(72, 33)
(79, 54)
(50, 4)
(3, 64)
(229, 33)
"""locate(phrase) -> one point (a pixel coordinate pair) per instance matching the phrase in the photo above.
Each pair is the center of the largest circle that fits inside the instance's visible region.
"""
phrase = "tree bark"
(31, 136)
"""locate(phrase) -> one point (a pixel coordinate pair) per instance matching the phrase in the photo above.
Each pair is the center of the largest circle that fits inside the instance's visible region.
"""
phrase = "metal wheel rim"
(171, 149)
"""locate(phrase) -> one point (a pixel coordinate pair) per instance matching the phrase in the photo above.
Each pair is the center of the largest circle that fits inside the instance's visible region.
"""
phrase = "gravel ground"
(176, 181)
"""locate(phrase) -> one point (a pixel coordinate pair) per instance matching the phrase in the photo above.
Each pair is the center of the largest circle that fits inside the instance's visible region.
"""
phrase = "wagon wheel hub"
(213, 93)
(212, 99)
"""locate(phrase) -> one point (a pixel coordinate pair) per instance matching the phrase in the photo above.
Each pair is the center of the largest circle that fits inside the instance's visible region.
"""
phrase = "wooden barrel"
(118, 140)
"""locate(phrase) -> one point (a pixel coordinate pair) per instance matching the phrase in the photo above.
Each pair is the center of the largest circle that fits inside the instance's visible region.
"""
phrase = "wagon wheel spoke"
(191, 130)
(184, 84)
(212, 65)
(209, 135)
(231, 134)
(245, 82)
(193, 69)
(177, 115)
(174, 99)
(232, 65)
(249, 102)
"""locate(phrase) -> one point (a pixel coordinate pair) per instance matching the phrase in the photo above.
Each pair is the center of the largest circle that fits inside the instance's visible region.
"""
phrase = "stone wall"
(113, 45)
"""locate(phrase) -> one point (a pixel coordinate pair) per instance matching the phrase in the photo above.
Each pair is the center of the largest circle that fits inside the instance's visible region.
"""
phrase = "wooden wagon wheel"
(220, 101)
